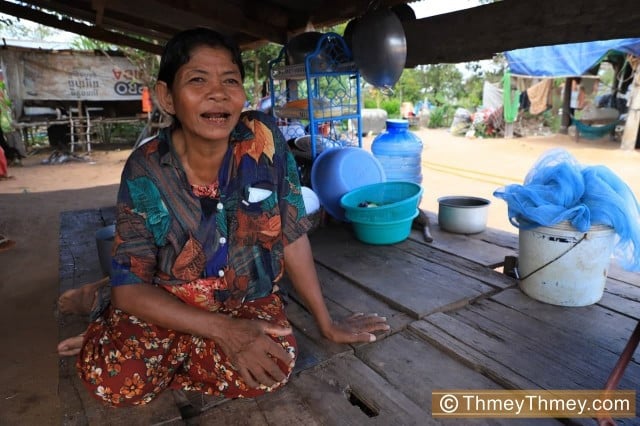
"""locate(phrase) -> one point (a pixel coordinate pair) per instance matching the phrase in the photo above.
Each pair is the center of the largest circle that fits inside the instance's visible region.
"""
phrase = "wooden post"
(630, 134)
(78, 128)
(508, 130)
(566, 107)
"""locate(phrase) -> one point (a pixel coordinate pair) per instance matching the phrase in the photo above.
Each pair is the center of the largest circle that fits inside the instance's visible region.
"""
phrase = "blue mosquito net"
(558, 189)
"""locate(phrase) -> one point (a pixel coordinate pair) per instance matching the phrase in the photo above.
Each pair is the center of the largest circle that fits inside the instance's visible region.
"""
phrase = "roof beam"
(76, 27)
(481, 32)
(193, 13)
(333, 12)
(80, 10)
(98, 6)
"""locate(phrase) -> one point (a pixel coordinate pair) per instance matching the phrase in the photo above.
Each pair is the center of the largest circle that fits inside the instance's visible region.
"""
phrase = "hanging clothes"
(525, 103)
(491, 96)
(3, 164)
(539, 96)
(511, 100)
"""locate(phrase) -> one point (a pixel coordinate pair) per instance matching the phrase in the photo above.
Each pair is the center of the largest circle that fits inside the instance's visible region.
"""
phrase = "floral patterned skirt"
(126, 361)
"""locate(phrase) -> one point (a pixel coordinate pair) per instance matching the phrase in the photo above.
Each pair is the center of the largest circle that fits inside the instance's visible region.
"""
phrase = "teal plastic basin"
(386, 202)
(380, 233)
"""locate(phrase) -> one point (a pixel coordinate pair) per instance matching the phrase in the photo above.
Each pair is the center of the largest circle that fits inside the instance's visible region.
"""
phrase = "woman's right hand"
(251, 350)
(247, 343)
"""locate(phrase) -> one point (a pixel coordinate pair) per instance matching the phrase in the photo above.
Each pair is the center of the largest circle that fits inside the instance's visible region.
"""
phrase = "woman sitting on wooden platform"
(209, 216)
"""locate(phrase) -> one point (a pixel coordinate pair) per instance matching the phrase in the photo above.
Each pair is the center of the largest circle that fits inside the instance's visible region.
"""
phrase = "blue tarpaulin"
(566, 60)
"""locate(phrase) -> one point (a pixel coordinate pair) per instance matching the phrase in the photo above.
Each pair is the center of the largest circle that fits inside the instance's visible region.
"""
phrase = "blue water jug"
(399, 151)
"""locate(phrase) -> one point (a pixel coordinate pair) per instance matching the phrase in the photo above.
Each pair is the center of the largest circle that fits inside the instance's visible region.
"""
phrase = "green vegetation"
(5, 108)
(119, 133)
(441, 116)
(12, 27)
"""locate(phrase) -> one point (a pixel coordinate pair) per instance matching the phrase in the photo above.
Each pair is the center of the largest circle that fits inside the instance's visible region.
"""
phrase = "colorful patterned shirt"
(168, 235)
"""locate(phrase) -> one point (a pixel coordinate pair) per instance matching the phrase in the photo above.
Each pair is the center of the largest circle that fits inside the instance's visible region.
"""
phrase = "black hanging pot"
(404, 12)
(380, 47)
(348, 33)
(302, 45)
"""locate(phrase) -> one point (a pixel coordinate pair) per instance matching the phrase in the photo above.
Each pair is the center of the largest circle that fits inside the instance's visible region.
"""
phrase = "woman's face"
(207, 95)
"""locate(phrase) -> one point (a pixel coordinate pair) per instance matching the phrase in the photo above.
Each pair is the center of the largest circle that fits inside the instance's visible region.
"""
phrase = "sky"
(427, 8)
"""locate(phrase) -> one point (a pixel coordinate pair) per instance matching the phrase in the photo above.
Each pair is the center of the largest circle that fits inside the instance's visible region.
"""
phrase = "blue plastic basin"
(339, 170)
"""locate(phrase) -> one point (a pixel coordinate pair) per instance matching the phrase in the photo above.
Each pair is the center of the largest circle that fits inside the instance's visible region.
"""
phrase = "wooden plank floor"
(79, 265)
(487, 248)
(455, 323)
(524, 344)
(413, 278)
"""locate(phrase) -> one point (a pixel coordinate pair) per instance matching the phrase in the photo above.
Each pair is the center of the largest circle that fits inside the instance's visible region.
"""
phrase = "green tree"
(6, 117)
(473, 87)
(256, 63)
(86, 43)
(12, 27)
(409, 87)
(442, 83)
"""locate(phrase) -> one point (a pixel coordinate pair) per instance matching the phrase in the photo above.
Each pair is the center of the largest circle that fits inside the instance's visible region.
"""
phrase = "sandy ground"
(31, 203)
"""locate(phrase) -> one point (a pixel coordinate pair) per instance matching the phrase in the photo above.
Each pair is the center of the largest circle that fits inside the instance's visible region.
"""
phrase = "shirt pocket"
(258, 215)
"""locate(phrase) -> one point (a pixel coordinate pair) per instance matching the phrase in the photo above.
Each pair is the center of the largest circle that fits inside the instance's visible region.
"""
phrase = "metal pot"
(348, 33)
(302, 45)
(404, 12)
(380, 47)
(463, 215)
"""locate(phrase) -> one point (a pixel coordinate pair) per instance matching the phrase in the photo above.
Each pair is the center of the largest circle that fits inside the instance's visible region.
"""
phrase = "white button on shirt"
(221, 273)
(223, 240)
(220, 206)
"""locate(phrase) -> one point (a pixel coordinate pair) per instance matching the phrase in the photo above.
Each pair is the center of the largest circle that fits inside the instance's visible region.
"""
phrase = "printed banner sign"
(77, 76)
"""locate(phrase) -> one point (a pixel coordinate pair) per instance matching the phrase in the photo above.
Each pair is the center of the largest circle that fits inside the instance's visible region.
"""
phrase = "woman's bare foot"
(80, 300)
(71, 346)
(5, 243)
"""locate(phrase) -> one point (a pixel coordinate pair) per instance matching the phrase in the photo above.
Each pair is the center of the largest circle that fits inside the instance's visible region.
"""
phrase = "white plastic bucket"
(563, 266)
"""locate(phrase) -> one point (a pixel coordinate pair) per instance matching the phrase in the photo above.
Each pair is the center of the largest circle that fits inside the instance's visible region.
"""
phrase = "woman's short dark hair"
(177, 51)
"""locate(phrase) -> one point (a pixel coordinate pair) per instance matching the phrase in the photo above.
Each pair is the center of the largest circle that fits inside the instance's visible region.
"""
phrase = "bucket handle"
(584, 237)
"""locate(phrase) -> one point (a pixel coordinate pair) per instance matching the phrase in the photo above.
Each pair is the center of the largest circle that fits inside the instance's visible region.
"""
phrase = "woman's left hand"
(357, 327)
